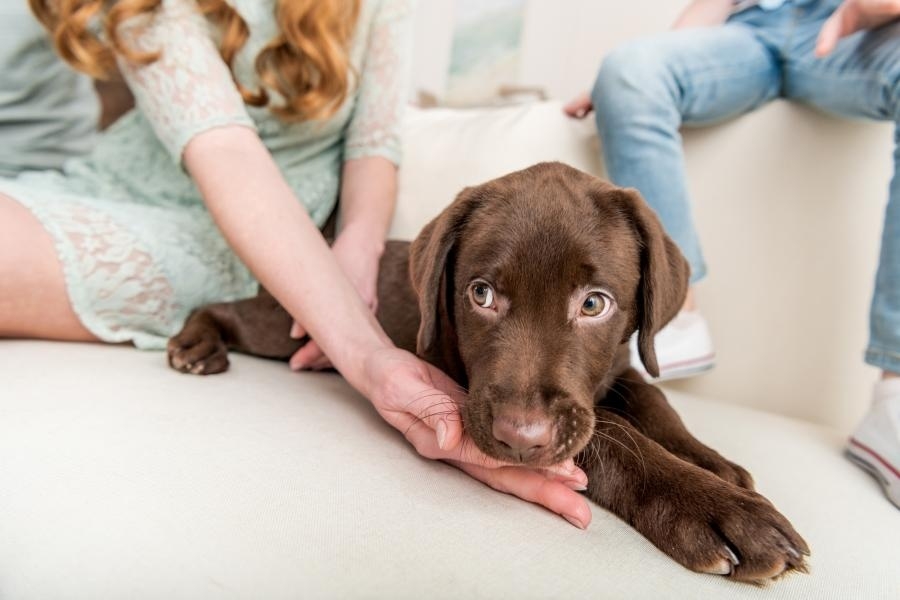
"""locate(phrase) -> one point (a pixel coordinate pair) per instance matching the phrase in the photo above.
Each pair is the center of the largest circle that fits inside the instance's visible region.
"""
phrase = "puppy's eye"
(482, 294)
(596, 305)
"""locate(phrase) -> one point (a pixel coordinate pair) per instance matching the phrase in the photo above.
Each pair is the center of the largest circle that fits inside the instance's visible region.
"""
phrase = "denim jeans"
(648, 88)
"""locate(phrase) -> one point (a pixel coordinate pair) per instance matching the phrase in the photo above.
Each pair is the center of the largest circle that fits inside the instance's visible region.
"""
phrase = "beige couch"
(120, 478)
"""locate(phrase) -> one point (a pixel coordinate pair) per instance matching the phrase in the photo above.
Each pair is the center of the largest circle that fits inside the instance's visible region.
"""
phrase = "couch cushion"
(446, 150)
(120, 478)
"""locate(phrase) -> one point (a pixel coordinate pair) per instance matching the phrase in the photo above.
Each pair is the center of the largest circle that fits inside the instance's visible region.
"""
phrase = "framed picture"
(486, 51)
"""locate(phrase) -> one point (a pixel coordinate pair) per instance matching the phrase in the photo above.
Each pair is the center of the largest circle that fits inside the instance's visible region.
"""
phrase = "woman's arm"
(368, 197)
(704, 13)
(372, 151)
(268, 229)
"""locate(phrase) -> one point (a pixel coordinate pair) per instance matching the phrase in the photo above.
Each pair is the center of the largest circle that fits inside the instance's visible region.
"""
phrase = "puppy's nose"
(525, 437)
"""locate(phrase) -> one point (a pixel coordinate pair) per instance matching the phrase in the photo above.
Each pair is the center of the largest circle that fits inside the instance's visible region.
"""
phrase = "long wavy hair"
(307, 64)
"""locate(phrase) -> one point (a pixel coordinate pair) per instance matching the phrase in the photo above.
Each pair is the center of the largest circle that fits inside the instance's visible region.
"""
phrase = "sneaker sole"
(887, 474)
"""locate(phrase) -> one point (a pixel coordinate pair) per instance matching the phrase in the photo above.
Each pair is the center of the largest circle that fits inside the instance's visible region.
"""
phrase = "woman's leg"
(33, 298)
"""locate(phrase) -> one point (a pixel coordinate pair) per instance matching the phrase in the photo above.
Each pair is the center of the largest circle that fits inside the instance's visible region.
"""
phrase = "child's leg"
(647, 89)
(33, 298)
(884, 333)
(862, 79)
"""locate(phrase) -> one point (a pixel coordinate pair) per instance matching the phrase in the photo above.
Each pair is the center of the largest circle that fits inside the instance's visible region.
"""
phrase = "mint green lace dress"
(138, 248)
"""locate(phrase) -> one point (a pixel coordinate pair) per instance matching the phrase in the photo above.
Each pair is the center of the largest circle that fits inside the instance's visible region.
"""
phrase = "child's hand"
(579, 107)
(704, 13)
(853, 16)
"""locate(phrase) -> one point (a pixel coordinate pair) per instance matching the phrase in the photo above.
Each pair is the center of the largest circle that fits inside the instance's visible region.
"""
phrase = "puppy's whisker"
(426, 395)
(425, 416)
(636, 452)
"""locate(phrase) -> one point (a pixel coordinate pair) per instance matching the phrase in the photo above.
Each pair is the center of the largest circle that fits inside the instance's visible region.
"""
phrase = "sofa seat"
(120, 478)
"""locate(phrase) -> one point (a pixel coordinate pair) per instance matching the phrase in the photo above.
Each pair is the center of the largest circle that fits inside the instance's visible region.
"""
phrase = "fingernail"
(441, 431)
(576, 486)
(567, 468)
(296, 366)
(574, 521)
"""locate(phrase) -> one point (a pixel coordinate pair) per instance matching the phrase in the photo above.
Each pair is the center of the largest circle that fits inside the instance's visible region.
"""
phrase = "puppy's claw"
(732, 557)
(722, 567)
(726, 565)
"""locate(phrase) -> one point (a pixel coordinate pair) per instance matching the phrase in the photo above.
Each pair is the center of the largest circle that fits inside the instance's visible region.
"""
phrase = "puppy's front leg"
(706, 524)
(258, 326)
(646, 408)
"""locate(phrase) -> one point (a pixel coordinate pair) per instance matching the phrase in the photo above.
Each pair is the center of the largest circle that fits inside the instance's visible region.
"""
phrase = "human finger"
(834, 28)
(426, 444)
(297, 331)
(579, 107)
(534, 487)
(306, 356)
(321, 364)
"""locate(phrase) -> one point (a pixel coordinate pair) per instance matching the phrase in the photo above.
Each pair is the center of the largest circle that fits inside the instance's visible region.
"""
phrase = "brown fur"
(546, 382)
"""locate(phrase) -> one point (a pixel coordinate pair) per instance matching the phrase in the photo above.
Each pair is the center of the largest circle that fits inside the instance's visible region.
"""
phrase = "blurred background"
(560, 44)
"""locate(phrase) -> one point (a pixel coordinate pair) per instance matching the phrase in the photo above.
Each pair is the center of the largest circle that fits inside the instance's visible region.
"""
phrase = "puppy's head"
(528, 286)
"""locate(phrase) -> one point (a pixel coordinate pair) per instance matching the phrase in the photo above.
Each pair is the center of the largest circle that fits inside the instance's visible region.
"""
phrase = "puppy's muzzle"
(522, 434)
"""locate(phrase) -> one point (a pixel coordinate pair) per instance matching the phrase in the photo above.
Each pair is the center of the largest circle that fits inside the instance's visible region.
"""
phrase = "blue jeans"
(647, 89)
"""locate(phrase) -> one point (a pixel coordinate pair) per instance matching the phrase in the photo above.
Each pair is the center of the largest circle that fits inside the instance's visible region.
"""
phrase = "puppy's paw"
(198, 349)
(722, 529)
(715, 463)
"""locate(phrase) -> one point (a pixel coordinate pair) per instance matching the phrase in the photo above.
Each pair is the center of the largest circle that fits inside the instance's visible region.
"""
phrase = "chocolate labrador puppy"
(526, 290)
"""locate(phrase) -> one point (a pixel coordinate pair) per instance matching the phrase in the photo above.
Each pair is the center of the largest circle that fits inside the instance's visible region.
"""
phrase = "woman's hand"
(853, 16)
(423, 403)
(358, 254)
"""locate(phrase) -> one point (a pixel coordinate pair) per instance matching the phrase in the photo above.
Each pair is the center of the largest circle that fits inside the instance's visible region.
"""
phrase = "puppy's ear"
(664, 276)
(430, 270)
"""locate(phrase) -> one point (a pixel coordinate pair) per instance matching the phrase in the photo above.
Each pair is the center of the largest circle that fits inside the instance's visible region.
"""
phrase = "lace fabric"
(138, 249)
(375, 126)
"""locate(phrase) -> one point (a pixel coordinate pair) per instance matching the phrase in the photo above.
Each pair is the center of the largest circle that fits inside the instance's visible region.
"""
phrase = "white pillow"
(445, 150)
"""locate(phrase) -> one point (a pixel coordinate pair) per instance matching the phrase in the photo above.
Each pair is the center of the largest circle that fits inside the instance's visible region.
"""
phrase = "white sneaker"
(683, 348)
(875, 445)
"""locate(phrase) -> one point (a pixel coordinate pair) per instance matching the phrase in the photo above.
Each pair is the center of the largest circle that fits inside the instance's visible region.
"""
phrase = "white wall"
(563, 41)
(789, 205)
